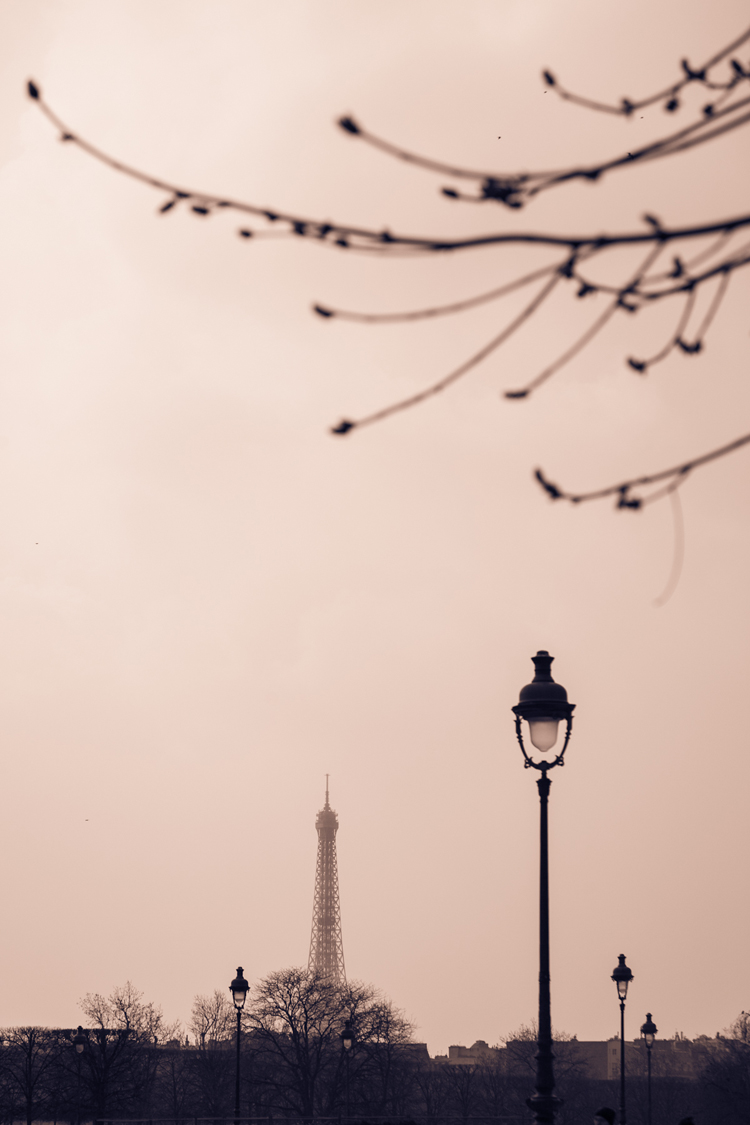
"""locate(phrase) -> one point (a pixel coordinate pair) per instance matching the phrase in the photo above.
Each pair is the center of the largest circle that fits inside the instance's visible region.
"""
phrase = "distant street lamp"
(80, 1039)
(648, 1031)
(543, 704)
(622, 977)
(347, 1042)
(238, 988)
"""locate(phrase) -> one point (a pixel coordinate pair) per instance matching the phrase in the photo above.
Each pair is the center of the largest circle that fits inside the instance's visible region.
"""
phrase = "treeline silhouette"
(293, 1066)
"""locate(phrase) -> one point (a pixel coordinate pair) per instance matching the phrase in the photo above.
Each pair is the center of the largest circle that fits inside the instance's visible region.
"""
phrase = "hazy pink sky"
(207, 602)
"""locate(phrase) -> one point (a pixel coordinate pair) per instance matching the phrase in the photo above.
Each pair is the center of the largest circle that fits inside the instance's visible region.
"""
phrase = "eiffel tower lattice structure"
(326, 943)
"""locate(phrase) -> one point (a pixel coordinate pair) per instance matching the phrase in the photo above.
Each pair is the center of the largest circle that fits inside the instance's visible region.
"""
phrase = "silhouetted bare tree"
(432, 1088)
(212, 1024)
(121, 1058)
(30, 1056)
(295, 1020)
(570, 1069)
(464, 1090)
(726, 1074)
(667, 270)
(175, 1092)
(381, 1062)
(212, 1019)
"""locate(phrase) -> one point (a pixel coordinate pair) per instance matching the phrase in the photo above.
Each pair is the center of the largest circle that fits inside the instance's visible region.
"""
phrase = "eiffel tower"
(326, 944)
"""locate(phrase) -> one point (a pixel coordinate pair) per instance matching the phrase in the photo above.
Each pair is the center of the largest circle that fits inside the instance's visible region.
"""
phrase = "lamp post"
(648, 1031)
(238, 988)
(543, 704)
(347, 1042)
(79, 1042)
(622, 977)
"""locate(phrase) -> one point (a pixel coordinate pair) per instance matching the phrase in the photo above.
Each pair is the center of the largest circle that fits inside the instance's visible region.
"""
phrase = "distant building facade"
(596, 1059)
(479, 1054)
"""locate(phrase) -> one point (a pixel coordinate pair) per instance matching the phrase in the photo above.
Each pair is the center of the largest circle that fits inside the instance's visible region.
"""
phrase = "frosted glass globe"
(543, 733)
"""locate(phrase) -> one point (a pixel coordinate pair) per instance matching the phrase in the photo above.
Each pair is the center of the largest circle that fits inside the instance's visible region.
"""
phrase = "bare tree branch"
(631, 295)
(729, 110)
(676, 476)
(436, 310)
(346, 424)
(668, 95)
(593, 330)
(347, 236)
(514, 189)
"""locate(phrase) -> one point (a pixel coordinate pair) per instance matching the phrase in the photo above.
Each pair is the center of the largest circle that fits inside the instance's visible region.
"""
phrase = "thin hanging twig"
(678, 553)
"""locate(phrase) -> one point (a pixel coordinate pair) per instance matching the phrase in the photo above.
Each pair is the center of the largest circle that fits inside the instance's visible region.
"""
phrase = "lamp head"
(543, 703)
(80, 1039)
(622, 977)
(238, 988)
(347, 1036)
(648, 1031)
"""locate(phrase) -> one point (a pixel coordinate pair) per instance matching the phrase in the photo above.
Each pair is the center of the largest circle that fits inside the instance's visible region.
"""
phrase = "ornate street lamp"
(347, 1042)
(238, 988)
(79, 1040)
(648, 1031)
(622, 977)
(543, 704)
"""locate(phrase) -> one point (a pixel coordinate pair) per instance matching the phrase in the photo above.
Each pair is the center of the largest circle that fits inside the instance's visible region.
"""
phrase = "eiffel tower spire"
(326, 944)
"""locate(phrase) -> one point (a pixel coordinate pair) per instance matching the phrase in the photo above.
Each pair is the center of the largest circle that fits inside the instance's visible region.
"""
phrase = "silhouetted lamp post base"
(238, 988)
(543, 704)
(79, 1042)
(544, 1107)
(347, 1042)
